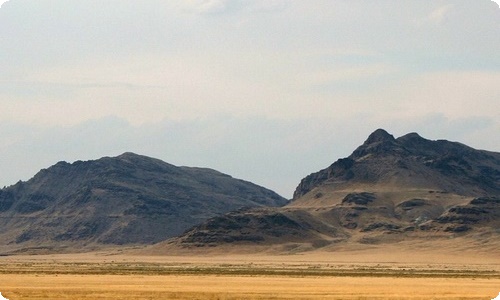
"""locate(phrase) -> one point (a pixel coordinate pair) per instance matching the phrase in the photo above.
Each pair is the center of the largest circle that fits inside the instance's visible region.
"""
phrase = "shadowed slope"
(129, 199)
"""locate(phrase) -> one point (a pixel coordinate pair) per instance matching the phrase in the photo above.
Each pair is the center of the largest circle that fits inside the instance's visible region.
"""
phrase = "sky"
(268, 91)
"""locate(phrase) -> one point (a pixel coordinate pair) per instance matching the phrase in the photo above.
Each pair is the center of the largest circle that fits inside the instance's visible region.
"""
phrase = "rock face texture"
(124, 200)
(415, 162)
(388, 190)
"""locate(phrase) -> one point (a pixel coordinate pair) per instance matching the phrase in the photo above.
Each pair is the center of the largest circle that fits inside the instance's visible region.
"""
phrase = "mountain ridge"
(440, 159)
(389, 190)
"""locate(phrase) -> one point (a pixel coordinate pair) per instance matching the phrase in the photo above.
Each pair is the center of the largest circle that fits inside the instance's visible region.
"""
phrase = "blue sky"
(267, 91)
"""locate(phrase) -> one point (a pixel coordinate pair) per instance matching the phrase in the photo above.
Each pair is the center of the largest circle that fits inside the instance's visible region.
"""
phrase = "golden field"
(308, 276)
(23, 286)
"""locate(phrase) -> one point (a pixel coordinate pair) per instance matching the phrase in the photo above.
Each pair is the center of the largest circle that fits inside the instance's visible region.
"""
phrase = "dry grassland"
(100, 276)
(241, 287)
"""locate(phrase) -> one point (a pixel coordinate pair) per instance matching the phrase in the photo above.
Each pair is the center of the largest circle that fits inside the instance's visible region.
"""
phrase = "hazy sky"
(264, 90)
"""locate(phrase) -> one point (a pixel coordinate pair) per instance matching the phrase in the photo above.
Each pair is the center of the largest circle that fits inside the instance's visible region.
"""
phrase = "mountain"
(410, 162)
(124, 200)
(389, 190)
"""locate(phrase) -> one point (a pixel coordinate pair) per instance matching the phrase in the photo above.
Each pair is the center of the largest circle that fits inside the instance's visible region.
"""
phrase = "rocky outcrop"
(480, 212)
(243, 226)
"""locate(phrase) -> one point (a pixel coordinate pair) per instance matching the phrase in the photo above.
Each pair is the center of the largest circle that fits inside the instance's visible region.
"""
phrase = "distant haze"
(267, 91)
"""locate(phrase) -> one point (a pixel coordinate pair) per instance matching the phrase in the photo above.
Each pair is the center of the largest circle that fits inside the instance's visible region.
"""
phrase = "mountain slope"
(129, 199)
(387, 191)
(409, 162)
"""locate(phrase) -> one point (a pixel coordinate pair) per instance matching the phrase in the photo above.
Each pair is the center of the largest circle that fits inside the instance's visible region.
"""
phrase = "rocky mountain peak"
(380, 142)
(412, 136)
(379, 136)
(448, 166)
(126, 155)
(415, 141)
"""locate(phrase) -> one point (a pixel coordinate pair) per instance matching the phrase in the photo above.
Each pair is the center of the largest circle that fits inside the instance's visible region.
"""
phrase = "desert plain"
(375, 273)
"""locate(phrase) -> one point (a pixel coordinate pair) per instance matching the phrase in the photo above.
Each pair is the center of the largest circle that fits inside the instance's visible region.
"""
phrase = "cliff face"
(129, 199)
